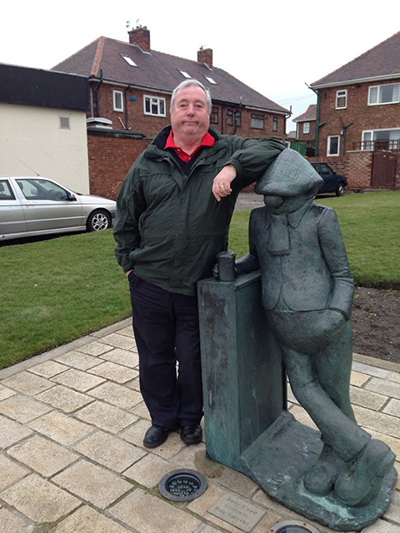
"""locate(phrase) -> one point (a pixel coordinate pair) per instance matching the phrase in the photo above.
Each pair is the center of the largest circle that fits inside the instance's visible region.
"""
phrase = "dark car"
(332, 182)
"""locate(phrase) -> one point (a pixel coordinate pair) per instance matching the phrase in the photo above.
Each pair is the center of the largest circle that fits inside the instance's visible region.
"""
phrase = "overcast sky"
(274, 47)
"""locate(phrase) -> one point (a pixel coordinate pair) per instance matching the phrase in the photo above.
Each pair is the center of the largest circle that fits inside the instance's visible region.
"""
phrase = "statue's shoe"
(320, 478)
(361, 484)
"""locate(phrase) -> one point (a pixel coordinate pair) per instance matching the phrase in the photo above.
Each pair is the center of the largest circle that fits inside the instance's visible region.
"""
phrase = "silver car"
(31, 206)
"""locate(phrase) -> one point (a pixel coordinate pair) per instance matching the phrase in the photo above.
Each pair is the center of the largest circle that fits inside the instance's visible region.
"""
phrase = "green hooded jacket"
(169, 227)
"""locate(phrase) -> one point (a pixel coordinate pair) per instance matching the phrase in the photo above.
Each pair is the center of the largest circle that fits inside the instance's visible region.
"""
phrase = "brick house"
(358, 117)
(130, 87)
(306, 125)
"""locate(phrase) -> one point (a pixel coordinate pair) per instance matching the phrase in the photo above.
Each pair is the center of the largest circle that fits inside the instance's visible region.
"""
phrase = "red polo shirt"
(207, 140)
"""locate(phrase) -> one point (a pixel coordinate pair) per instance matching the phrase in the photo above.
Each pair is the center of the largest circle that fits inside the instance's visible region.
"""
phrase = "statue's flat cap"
(290, 174)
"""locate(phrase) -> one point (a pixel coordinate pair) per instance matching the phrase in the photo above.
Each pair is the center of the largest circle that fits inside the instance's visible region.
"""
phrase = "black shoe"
(155, 436)
(191, 434)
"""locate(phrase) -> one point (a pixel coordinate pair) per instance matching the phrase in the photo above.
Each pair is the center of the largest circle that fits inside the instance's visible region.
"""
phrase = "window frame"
(342, 93)
(7, 193)
(275, 123)
(369, 144)
(121, 95)
(214, 115)
(157, 101)
(328, 146)
(379, 94)
(255, 117)
(306, 126)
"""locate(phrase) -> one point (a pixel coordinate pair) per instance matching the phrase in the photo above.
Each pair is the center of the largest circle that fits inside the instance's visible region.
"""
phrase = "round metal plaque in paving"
(293, 526)
(182, 485)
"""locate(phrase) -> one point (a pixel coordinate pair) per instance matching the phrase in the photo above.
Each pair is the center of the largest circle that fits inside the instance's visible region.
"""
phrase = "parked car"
(332, 182)
(32, 206)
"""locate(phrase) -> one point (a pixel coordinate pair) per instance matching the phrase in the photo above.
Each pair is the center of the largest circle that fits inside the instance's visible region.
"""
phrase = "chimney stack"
(140, 36)
(205, 56)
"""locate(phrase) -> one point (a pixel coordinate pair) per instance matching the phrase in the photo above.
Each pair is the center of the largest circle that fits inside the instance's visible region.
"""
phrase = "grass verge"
(57, 290)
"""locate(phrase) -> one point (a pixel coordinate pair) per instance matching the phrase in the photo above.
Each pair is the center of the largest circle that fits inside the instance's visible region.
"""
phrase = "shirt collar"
(207, 140)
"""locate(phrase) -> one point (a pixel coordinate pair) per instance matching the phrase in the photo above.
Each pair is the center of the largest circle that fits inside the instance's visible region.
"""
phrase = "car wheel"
(98, 220)
(340, 190)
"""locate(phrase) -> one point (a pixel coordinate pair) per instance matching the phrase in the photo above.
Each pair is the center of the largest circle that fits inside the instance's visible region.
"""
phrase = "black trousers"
(166, 329)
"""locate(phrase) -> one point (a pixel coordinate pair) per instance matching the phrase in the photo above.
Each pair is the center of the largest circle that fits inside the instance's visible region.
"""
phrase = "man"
(169, 227)
(307, 292)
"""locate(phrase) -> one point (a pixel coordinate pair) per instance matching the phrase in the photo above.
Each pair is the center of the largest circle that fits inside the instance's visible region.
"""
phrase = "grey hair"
(189, 83)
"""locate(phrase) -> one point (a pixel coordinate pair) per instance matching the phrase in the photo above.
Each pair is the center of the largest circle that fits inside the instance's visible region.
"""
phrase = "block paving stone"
(80, 361)
(78, 380)
(27, 493)
(92, 483)
(11, 432)
(10, 472)
(5, 392)
(48, 369)
(61, 428)
(87, 520)
(149, 471)
(23, 408)
(117, 395)
(42, 455)
(107, 417)
(27, 383)
(122, 357)
(10, 523)
(148, 514)
(110, 451)
(65, 399)
(114, 372)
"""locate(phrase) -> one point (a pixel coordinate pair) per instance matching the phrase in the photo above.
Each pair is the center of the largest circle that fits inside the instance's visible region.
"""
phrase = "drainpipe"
(318, 124)
(344, 135)
(126, 107)
(97, 93)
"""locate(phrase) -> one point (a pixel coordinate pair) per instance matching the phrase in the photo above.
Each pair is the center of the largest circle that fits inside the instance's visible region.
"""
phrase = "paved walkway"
(72, 461)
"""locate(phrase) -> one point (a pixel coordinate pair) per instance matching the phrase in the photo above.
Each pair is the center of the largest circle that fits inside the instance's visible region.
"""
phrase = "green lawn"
(57, 290)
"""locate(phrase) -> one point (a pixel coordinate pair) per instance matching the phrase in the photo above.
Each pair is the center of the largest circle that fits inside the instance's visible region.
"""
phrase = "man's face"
(189, 116)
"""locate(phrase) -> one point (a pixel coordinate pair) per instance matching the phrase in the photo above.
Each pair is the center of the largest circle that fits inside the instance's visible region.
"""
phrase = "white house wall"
(31, 141)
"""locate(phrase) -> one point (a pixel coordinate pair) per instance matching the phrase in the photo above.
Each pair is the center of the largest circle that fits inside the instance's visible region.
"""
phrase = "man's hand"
(222, 182)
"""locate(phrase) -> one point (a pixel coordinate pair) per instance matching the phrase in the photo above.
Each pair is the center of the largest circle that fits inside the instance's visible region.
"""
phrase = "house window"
(214, 115)
(229, 117)
(64, 123)
(238, 118)
(306, 127)
(275, 124)
(333, 145)
(118, 99)
(384, 94)
(185, 74)
(211, 80)
(129, 60)
(154, 105)
(381, 139)
(257, 121)
(341, 99)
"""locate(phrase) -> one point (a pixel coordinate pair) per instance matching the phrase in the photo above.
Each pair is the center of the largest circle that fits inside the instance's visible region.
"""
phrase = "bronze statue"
(307, 293)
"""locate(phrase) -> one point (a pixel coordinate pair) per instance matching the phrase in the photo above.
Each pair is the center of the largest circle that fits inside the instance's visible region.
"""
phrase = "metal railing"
(378, 146)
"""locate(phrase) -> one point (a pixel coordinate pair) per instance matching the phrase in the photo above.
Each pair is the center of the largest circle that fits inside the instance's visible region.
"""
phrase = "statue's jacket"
(314, 274)
(169, 227)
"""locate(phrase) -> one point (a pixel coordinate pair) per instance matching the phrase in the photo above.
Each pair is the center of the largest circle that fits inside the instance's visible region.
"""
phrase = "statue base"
(280, 475)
